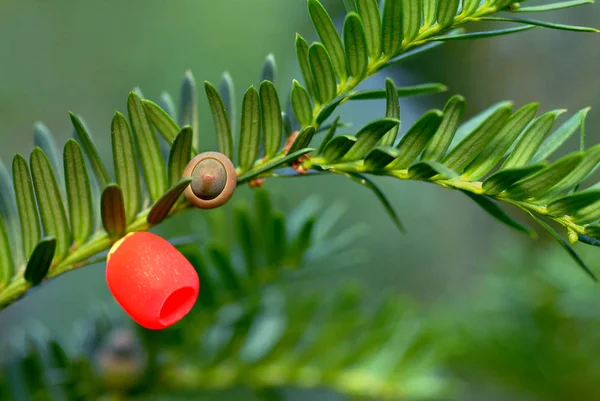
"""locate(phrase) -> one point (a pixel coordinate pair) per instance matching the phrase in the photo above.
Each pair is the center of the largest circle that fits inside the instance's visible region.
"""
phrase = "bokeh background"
(455, 261)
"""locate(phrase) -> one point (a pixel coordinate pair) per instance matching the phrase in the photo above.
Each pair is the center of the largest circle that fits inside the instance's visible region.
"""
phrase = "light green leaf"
(539, 183)
(112, 209)
(269, 70)
(301, 105)
(479, 35)
(503, 179)
(249, 129)
(553, 6)
(7, 268)
(350, 5)
(453, 112)
(9, 213)
(544, 24)
(330, 134)
(26, 204)
(153, 165)
(272, 124)
(496, 149)
(467, 150)
(43, 139)
(495, 211)
(591, 159)
(406, 91)
(40, 261)
(411, 22)
(52, 209)
(90, 150)
(392, 30)
(560, 136)
(428, 169)
(368, 136)
(337, 148)
(392, 110)
(126, 168)
(166, 103)
(227, 92)
(575, 204)
(430, 12)
(371, 20)
(180, 155)
(302, 55)
(79, 192)
(469, 7)
(322, 72)
(272, 165)
(160, 210)
(302, 139)
(329, 36)
(188, 109)
(447, 10)
(415, 140)
(221, 120)
(355, 42)
(474, 122)
(163, 122)
(380, 157)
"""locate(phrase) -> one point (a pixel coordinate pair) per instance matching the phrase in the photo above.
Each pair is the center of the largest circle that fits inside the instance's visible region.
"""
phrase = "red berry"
(151, 280)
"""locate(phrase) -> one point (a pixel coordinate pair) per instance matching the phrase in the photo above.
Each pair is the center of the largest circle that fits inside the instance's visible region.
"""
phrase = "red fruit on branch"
(151, 280)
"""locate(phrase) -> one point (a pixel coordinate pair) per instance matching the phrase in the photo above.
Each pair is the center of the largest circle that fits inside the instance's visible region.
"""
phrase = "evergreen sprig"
(500, 155)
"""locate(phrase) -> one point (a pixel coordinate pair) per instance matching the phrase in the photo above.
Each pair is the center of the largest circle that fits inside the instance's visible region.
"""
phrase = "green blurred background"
(85, 56)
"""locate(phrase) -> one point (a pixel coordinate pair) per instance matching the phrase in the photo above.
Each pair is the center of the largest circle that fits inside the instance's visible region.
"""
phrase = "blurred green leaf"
(368, 136)
(329, 36)
(10, 214)
(163, 122)
(269, 70)
(380, 157)
(411, 22)
(350, 5)
(574, 203)
(28, 211)
(337, 148)
(503, 179)
(542, 24)
(272, 124)
(90, 150)
(446, 12)
(245, 237)
(79, 192)
(50, 204)
(302, 55)
(40, 261)
(180, 155)
(7, 268)
(113, 211)
(322, 72)
(469, 7)
(166, 103)
(415, 140)
(249, 129)
(392, 30)
(392, 110)
(220, 257)
(301, 104)
(221, 120)
(562, 133)
(149, 153)
(163, 206)
(371, 20)
(355, 43)
(188, 109)
(227, 92)
(495, 211)
(441, 140)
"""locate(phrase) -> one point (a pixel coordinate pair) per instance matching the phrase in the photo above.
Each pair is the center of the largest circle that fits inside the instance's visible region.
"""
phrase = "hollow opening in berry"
(177, 305)
(209, 179)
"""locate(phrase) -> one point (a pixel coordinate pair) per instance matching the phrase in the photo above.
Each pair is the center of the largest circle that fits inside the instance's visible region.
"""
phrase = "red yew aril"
(151, 280)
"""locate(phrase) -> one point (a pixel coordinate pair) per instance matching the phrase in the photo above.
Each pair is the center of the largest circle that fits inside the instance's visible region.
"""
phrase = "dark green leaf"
(428, 169)
(50, 204)
(355, 43)
(591, 159)
(277, 246)
(495, 211)
(531, 139)
(542, 23)
(391, 27)
(149, 153)
(467, 150)
(301, 104)
(227, 92)
(498, 146)
(565, 245)
(539, 183)
(272, 165)
(369, 13)
(196, 258)
(40, 261)
(302, 139)
(411, 14)
(126, 168)
(593, 231)
(112, 210)
(7, 268)
(245, 236)
(269, 70)
(479, 35)
(453, 112)
(392, 111)
(552, 7)
(447, 10)
(188, 110)
(166, 103)
(163, 206)
(423, 89)
(90, 150)
(303, 240)
(28, 211)
(302, 55)
(221, 120)
(573, 204)
(503, 179)
(330, 134)
(380, 157)
(562, 133)
(79, 192)
(180, 155)
(220, 257)
(43, 139)
(163, 122)
(415, 140)
(337, 148)
(368, 136)
(329, 36)
(272, 124)
(474, 122)
(322, 72)
(249, 129)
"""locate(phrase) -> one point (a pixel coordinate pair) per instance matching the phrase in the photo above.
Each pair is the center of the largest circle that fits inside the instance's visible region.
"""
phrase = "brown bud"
(213, 180)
